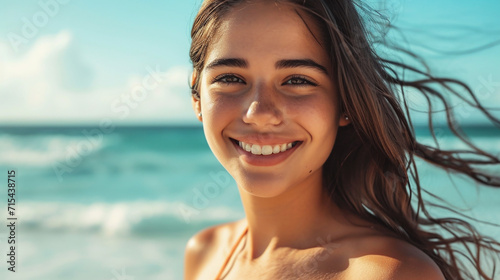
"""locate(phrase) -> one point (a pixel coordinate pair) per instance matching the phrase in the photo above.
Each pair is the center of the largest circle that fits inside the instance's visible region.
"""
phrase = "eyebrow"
(228, 62)
(281, 64)
(295, 63)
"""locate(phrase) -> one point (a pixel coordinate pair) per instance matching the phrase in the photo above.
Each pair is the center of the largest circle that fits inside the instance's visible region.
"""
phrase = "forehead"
(267, 29)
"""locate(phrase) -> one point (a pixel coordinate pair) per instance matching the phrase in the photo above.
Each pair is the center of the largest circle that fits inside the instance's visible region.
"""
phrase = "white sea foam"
(121, 218)
(42, 150)
(82, 257)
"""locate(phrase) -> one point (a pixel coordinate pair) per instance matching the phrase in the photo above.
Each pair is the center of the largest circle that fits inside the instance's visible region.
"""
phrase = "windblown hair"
(371, 170)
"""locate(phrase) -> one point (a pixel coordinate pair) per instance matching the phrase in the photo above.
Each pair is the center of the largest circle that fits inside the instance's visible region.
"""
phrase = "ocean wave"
(42, 150)
(122, 218)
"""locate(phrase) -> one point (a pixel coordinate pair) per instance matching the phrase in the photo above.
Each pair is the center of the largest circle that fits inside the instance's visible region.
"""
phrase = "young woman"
(302, 112)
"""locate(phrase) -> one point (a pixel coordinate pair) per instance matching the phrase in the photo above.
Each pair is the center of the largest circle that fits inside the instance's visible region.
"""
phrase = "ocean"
(121, 204)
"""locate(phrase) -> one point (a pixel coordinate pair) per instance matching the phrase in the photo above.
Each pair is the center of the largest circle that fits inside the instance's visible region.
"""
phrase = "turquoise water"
(122, 204)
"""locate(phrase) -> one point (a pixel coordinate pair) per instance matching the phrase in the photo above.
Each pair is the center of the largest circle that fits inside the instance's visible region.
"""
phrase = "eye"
(227, 79)
(299, 81)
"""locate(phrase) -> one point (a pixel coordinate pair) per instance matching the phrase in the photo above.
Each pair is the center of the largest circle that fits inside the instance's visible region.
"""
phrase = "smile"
(266, 150)
(265, 154)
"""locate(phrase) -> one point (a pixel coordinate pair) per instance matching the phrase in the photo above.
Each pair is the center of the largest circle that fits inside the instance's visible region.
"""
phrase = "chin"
(262, 185)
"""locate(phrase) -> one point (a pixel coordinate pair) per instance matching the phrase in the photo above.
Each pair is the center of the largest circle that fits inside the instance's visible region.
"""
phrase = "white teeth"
(283, 147)
(248, 148)
(265, 149)
(256, 149)
(276, 149)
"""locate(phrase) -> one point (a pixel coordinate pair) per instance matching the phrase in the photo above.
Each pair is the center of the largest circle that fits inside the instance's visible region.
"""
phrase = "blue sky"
(80, 61)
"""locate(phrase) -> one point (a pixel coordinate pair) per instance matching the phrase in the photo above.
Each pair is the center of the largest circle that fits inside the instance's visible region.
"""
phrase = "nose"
(263, 110)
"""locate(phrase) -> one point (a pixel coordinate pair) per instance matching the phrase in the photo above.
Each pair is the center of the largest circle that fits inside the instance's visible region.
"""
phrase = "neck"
(299, 218)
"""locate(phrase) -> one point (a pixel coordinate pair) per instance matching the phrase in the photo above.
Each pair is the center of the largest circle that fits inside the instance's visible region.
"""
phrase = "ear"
(197, 107)
(344, 120)
(195, 100)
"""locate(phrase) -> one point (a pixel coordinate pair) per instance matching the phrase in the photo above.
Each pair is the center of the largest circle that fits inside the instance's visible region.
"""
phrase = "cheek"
(218, 113)
(327, 117)
(218, 109)
(320, 118)
(317, 112)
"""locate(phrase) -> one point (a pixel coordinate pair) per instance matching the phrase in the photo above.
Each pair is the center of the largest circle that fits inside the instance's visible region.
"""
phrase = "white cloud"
(167, 99)
(51, 83)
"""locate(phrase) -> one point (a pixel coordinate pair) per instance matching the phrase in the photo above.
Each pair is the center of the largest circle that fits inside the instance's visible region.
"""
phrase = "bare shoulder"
(383, 257)
(207, 246)
(198, 248)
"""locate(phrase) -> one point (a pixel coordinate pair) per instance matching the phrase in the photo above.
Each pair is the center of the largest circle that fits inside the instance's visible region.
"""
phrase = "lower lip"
(261, 160)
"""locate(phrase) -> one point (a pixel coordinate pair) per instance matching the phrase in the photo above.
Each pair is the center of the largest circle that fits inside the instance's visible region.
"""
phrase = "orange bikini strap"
(231, 253)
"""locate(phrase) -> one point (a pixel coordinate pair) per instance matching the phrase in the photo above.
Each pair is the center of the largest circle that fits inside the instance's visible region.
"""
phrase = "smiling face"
(269, 107)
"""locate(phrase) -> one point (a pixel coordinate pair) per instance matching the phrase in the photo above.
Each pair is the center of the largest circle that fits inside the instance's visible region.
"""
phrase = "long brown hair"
(371, 170)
